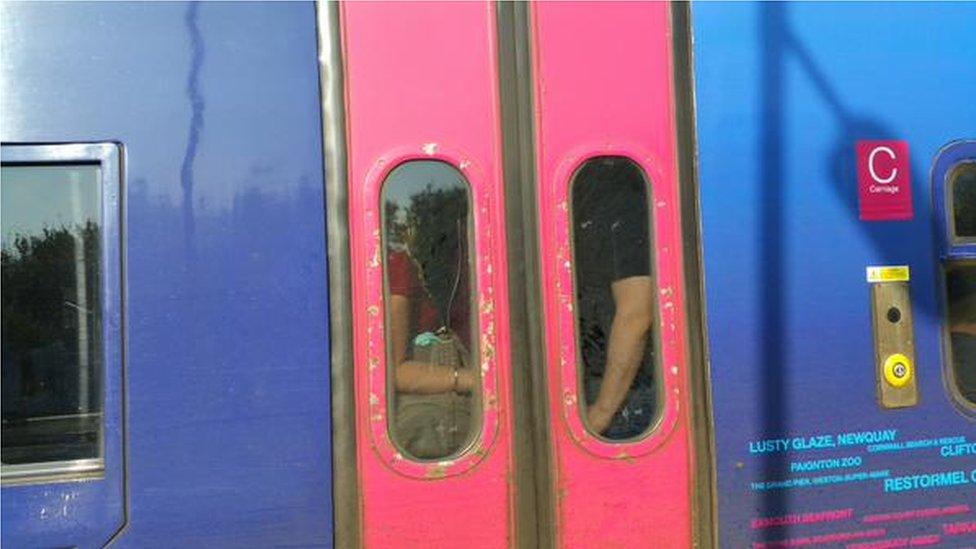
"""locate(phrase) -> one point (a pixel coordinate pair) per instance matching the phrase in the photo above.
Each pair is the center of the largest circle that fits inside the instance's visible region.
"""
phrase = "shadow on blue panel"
(894, 243)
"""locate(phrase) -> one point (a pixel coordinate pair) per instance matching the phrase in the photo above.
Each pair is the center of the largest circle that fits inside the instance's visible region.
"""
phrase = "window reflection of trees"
(431, 229)
(51, 332)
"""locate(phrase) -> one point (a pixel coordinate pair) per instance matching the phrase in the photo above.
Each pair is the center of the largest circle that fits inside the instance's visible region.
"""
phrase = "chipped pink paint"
(604, 87)
(421, 83)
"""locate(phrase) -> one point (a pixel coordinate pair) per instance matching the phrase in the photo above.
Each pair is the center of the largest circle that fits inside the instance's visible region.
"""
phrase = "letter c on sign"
(874, 174)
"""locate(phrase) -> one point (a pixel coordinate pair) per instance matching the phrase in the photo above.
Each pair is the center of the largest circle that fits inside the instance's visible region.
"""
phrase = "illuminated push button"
(898, 370)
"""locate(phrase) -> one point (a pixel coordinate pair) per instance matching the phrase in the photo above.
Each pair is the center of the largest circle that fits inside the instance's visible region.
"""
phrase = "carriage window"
(52, 356)
(615, 297)
(961, 293)
(431, 323)
(963, 185)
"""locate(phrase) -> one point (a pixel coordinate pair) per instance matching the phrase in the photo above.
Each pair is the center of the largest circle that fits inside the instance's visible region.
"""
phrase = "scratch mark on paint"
(626, 457)
(438, 470)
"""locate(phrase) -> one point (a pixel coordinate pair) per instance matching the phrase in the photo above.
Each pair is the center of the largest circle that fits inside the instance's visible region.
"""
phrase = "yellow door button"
(898, 370)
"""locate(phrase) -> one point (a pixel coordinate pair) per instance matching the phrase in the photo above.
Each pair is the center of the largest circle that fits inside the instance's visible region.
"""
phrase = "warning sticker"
(891, 273)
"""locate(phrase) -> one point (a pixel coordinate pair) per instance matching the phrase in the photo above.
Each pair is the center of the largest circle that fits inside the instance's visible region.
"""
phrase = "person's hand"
(467, 381)
(968, 328)
(598, 419)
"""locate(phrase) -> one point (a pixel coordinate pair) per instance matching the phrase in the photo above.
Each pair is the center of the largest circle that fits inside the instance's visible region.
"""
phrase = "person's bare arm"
(399, 326)
(425, 378)
(420, 377)
(633, 298)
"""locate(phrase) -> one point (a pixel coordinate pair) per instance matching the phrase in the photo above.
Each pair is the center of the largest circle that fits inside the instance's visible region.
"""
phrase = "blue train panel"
(224, 329)
(814, 443)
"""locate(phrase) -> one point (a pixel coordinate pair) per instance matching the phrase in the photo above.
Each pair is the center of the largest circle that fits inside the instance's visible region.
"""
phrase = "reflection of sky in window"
(35, 197)
(412, 178)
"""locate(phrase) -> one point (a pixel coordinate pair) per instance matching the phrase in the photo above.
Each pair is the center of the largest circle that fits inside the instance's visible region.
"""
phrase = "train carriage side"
(836, 221)
(165, 318)
(484, 322)
(182, 143)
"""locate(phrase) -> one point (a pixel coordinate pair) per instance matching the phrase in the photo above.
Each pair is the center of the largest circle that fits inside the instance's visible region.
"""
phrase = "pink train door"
(428, 264)
(609, 207)
(516, 370)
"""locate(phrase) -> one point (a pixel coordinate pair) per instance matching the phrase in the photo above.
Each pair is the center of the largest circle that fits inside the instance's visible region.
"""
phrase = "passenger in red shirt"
(434, 377)
(429, 307)
(413, 312)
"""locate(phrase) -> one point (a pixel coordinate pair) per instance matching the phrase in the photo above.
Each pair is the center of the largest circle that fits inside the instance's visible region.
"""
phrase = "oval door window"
(960, 276)
(615, 298)
(430, 314)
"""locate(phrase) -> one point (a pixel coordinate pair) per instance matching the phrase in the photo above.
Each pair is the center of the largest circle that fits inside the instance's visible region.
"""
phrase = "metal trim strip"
(705, 489)
(535, 506)
(347, 526)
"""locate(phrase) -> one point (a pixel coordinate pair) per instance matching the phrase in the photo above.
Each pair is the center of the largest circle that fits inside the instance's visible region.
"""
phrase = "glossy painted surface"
(604, 87)
(784, 91)
(227, 387)
(421, 82)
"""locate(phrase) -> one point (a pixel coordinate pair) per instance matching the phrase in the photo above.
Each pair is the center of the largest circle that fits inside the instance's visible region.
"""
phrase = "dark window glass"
(615, 297)
(963, 186)
(52, 313)
(431, 323)
(961, 290)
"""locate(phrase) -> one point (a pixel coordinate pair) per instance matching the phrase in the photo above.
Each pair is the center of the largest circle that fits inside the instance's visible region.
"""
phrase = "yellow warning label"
(891, 273)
